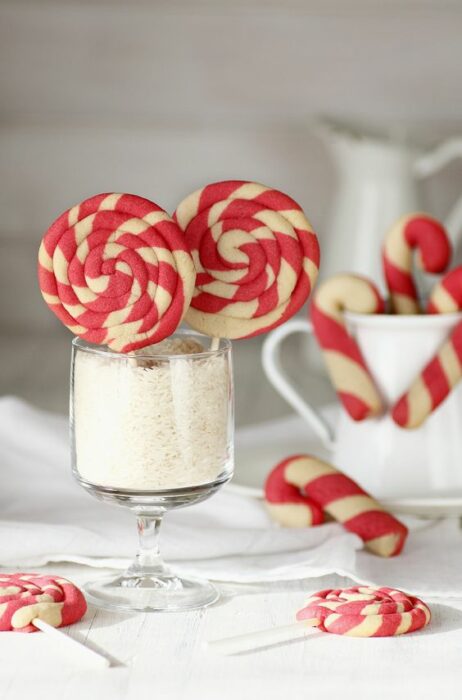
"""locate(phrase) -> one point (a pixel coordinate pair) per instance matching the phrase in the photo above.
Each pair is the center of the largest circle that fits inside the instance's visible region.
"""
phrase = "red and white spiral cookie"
(344, 361)
(444, 371)
(23, 597)
(256, 257)
(326, 488)
(116, 270)
(366, 611)
(413, 231)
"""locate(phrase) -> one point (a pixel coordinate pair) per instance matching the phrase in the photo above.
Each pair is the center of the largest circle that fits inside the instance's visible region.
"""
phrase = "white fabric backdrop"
(45, 516)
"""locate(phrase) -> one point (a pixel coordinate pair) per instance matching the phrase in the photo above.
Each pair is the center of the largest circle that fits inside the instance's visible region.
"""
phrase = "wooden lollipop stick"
(77, 649)
(215, 344)
(263, 638)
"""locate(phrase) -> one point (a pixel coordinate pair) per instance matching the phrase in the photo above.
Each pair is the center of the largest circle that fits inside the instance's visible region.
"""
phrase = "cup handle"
(271, 360)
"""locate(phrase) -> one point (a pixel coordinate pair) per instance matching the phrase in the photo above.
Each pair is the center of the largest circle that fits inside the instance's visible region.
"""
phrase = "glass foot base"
(150, 593)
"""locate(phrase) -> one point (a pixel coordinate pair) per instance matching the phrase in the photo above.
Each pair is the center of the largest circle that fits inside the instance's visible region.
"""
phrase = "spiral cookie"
(24, 597)
(430, 238)
(256, 257)
(116, 270)
(365, 611)
(343, 358)
(319, 486)
(433, 384)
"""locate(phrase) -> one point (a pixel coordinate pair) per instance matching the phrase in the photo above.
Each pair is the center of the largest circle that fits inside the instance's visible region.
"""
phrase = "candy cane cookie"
(116, 270)
(256, 257)
(444, 371)
(24, 597)
(433, 384)
(343, 358)
(360, 611)
(287, 504)
(413, 231)
(325, 487)
(366, 611)
(446, 295)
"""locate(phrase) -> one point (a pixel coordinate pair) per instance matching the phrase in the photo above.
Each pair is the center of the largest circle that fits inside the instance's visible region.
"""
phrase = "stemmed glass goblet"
(152, 431)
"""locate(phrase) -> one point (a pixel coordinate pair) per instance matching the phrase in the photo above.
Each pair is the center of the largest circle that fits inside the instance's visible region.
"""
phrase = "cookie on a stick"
(25, 597)
(256, 257)
(359, 611)
(319, 487)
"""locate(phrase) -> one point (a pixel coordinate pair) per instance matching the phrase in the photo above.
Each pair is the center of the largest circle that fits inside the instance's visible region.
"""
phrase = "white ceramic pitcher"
(388, 460)
(377, 183)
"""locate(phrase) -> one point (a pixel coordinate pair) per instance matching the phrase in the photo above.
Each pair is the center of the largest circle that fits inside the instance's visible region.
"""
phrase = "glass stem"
(148, 558)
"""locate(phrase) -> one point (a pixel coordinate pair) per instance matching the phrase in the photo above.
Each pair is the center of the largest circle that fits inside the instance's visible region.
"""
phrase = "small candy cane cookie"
(444, 371)
(345, 363)
(287, 504)
(23, 597)
(339, 496)
(446, 296)
(366, 611)
(430, 238)
(256, 257)
(433, 384)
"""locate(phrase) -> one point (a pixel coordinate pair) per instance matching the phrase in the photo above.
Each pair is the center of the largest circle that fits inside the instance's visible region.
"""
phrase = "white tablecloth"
(46, 517)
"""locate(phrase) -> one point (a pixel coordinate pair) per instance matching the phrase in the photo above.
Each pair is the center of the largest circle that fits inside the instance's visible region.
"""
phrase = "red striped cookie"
(287, 504)
(256, 257)
(52, 599)
(366, 611)
(413, 231)
(116, 270)
(433, 384)
(344, 361)
(326, 488)
(444, 371)
(446, 296)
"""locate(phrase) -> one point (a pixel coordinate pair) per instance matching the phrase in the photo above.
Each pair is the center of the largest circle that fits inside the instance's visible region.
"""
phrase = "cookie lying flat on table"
(23, 597)
(366, 611)
(116, 270)
(360, 611)
(322, 487)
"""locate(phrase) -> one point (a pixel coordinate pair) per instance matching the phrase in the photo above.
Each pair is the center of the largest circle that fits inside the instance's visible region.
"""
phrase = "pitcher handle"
(271, 360)
(431, 163)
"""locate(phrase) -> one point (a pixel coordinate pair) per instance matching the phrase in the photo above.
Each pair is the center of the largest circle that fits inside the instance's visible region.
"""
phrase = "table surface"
(163, 655)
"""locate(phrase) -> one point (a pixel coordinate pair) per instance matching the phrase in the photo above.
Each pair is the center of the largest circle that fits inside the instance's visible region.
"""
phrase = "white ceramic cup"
(387, 460)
